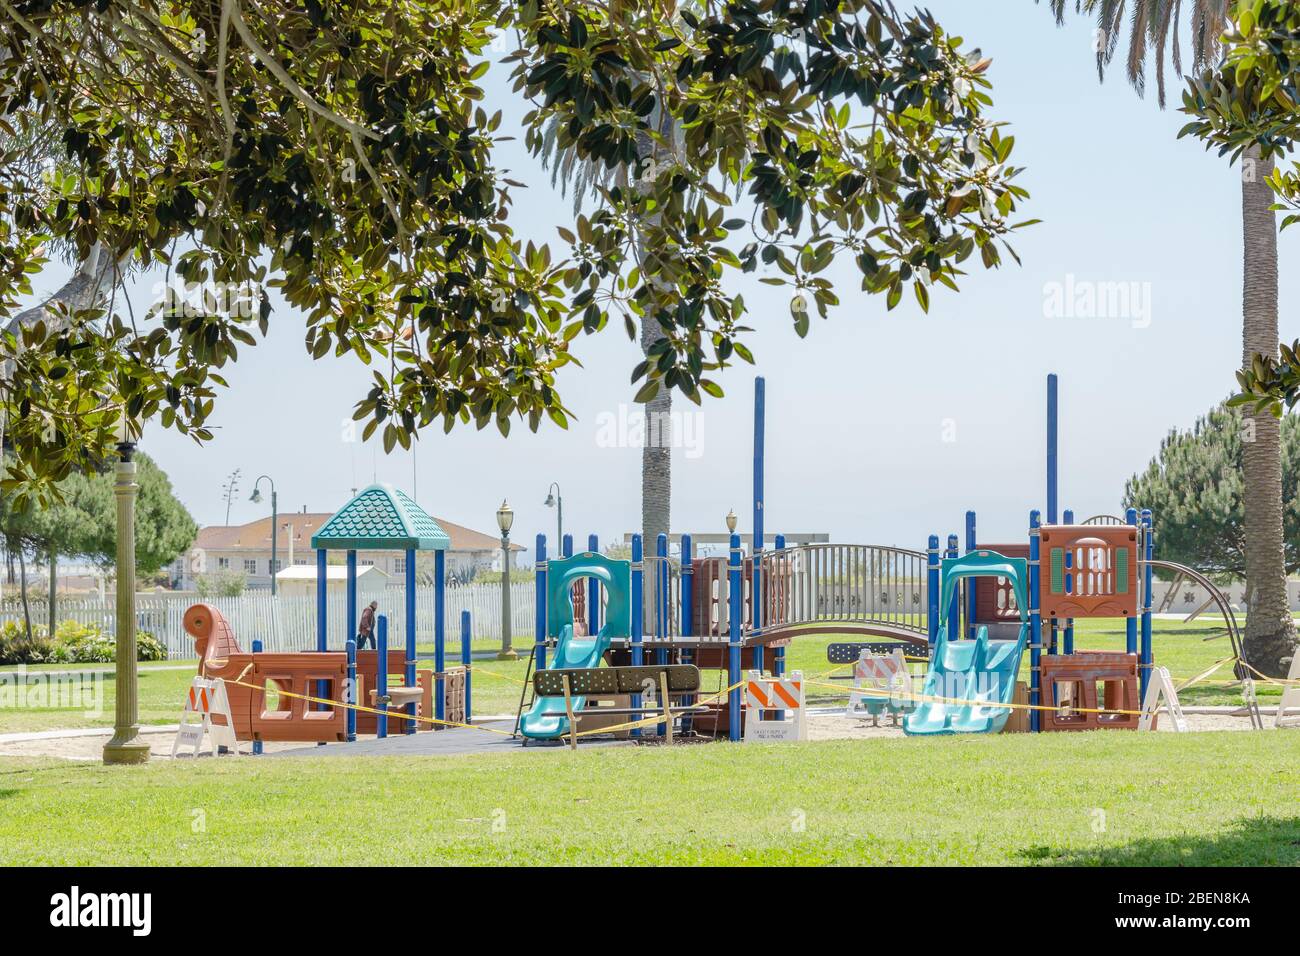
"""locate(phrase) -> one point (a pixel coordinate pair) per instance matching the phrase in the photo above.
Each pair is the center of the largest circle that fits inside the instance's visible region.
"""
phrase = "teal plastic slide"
(547, 720)
(979, 673)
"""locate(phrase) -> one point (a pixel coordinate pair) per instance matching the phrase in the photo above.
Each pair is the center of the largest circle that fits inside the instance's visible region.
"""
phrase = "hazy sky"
(882, 428)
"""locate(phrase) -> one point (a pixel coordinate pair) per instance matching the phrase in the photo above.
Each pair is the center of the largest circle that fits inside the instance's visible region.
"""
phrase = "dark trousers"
(361, 641)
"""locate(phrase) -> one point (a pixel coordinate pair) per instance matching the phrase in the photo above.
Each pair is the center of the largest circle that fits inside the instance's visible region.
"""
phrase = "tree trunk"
(22, 584)
(1270, 631)
(87, 287)
(656, 453)
(54, 589)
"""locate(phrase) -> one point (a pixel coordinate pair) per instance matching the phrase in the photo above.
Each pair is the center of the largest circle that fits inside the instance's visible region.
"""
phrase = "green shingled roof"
(381, 518)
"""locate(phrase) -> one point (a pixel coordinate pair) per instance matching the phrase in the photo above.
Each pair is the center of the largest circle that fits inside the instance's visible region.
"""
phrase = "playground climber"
(366, 628)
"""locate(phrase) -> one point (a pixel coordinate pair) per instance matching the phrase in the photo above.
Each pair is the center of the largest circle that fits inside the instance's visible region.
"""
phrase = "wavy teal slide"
(547, 720)
(980, 673)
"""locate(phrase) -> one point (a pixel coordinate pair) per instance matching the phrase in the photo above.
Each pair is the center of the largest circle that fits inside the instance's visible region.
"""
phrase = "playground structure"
(973, 615)
(329, 695)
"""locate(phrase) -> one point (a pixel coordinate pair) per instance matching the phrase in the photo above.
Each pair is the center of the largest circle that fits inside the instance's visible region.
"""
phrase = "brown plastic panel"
(1118, 675)
(995, 599)
(1102, 579)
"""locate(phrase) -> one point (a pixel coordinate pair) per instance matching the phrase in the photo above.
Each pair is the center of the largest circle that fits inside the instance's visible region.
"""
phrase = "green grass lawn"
(1052, 799)
(1183, 648)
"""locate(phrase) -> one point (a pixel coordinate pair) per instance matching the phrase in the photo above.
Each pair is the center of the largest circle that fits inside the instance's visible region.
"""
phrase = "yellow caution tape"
(371, 710)
(966, 702)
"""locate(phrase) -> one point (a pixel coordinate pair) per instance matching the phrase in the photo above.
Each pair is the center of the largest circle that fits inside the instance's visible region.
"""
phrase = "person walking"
(366, 628)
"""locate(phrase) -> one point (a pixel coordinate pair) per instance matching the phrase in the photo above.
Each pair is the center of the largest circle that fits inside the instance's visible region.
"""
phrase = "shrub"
(17, 648)
(72, 643)
(227, 583)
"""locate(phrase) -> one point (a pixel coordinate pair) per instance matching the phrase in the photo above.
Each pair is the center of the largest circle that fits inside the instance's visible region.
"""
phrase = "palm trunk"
(1270, 631)
(656, 453)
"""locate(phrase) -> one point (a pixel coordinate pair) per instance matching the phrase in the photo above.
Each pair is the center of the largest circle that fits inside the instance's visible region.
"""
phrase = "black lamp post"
(255, 498)
(553, 500)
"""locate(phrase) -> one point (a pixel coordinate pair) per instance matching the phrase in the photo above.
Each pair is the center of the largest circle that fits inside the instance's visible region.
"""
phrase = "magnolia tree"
(342, 154)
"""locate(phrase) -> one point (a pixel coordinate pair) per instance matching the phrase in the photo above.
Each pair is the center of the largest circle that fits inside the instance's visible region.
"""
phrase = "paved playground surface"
(823, 724)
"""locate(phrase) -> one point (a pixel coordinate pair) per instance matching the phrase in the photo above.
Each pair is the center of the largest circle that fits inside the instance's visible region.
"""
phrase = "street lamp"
(126, 745)
(553, 500)
(731, 521)
(256, 498)
(505, 518)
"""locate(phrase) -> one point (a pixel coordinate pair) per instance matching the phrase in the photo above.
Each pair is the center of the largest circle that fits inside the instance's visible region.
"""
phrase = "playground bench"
(666, 680)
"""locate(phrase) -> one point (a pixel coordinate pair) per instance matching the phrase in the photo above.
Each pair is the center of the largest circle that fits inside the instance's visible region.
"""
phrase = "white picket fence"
(289, 623)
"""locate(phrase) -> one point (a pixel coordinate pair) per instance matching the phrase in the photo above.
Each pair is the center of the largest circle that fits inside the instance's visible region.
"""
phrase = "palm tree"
(1153, 28)
(585, 179)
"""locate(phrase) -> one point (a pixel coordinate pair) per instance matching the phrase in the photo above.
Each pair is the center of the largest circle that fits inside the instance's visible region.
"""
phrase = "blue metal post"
(350, 721)
(1068, 647)
(409, 676)
(688, 610)
(381, 680)
(352, 595)
(539, 607)
(661, 597)
(756, 547)
(932, 589)
(778, 665)
(1147, 542)
(566, 546)
(638, 613)
(440, 634)
(257, 744)
(971, 545)
(954, 607)
(322, 601)
(734, 610)
(1053, 410)
(1131, 623)
(1035, 623)
(593, 591)
(465, 661)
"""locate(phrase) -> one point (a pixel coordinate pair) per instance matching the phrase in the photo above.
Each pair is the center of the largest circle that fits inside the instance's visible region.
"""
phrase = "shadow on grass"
(1260, 841)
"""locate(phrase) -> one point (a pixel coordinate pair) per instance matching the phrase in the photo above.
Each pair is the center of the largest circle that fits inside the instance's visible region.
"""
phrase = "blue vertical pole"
(351, 600)
(638, 613)
(352, 595)
(409, 676)
(465, 662)
(566, 546)
(440, 634)
(734, 610)
(778, 665)
(1131, 623)
(322, 601)
(661, 597)
(1053, 410)
(971, 545)
(932, 589)
(687, 609)
(1035, 624)
(954, 607)
(539, 606)
(1069, 586)
(593, 591)
(1147, 541)
(350, 720)
(756, 548)
(381, 679)
(257, 744)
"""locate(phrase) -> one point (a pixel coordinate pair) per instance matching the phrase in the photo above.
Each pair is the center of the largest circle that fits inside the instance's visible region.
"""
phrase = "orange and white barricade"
(205, 698)
(881, 675)
(764, 695)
